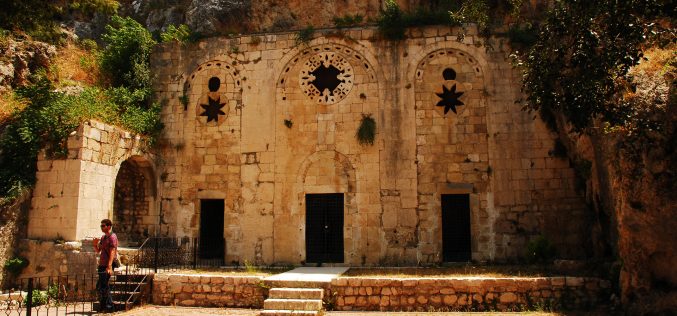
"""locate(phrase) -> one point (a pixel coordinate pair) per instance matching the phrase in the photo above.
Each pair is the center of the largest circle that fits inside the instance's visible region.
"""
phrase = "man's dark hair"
(107, 222)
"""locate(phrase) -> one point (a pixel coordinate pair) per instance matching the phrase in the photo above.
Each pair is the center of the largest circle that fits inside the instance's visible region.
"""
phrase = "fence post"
(29, 299)
(195, 245)
(155, 261)
(223, 258)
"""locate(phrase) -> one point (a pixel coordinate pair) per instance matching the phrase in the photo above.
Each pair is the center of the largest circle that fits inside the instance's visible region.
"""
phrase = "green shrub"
(39, 298)
(540, 250)
(472, 11)
(90, 7)
(304, 36)
(43, 297)
(126, 56)
(348, 20)
(391, 22)
(525, 35)
(181, 34)
(366, 133)
(16, 265)
(583, 50)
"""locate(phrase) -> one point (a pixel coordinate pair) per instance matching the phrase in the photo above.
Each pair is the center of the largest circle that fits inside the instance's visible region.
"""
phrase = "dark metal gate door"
(324, 228)
(456, 227)
(211, 243)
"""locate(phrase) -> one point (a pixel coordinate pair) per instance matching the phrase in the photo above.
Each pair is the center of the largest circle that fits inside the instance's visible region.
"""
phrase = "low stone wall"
(47, 258)
(209, 290)
(469, 294)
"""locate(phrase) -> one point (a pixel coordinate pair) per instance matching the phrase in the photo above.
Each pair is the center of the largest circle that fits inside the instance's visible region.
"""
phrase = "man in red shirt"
(108, 247)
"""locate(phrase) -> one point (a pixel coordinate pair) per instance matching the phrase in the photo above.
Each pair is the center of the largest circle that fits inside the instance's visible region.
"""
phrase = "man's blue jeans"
(103, 287)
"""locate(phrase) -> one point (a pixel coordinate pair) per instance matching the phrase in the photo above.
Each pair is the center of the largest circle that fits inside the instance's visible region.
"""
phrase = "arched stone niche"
(452, 146)
(213, 93)
(316, 149)
(135, 216)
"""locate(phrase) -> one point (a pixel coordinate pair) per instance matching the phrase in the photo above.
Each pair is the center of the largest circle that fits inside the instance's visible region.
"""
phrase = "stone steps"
(296, 293)
(288, 313)
(292, 304)
(293, 301)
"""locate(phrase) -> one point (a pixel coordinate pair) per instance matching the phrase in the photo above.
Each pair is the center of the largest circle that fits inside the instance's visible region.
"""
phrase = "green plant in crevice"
(540, 250)
(366, 133)
(250, 267)
(303, 36)
(15, 265)
(184, 99)
(181, 34)
(348, 20)
(390, 22)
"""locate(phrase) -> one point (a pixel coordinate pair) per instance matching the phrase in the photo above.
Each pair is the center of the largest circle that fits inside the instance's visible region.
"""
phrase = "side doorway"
(324, 228)
(456, 228)
(211, 242)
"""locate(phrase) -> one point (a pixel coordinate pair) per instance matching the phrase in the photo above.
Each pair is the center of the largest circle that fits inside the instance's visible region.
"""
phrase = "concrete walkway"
(309, 274)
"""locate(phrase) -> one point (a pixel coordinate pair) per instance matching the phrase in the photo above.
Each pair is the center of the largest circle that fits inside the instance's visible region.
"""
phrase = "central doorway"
(456, 227)
(324, 228)
(211, 243)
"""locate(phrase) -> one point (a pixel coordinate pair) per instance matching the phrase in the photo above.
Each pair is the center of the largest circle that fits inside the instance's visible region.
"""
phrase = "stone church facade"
(260, 148)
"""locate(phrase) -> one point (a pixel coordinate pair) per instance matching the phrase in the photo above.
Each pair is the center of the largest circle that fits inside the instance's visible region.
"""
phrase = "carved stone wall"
(283, 121)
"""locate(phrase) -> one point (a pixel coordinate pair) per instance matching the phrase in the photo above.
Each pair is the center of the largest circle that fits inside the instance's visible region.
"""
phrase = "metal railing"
(176, 253)
(51, 295)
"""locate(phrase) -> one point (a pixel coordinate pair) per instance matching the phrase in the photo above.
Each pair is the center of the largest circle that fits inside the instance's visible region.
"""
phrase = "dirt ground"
(200, 311)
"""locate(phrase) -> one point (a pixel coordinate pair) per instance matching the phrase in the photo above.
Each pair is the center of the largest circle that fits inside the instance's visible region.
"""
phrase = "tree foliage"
(583, 48)
(126, 57)
(51, 116)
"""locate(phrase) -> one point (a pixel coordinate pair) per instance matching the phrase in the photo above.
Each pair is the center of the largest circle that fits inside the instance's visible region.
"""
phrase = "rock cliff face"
(244, 16)
(630, 189)
(18, 59)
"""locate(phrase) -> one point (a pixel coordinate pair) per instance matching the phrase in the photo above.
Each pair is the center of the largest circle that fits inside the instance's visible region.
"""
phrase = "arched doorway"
(134, 215)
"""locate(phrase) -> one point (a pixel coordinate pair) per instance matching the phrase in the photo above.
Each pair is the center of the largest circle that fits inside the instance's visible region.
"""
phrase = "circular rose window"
(326, 78)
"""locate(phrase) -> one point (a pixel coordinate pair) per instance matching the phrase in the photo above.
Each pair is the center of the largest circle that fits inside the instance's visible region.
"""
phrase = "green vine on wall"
(366, 133)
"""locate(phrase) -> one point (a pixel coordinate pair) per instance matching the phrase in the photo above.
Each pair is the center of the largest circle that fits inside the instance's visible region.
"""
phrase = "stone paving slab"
(309, 274)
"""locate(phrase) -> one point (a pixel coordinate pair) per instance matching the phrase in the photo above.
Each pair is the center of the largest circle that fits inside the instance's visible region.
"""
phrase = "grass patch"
(464, 270)
(242, 271)
(76, 64)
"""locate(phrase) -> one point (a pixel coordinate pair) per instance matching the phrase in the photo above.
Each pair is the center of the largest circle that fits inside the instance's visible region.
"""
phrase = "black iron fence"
(77, 294)
(176, 253)
(60, 295)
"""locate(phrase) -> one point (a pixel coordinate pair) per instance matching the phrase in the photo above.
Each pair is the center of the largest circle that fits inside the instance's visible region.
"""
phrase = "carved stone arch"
(360, 52)
(329, 172)
(214, 82)
(327, 66)
(135, 199)
(477, 55)
(343, 165)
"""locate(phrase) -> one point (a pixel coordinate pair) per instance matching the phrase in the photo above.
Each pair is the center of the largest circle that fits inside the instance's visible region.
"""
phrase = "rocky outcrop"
(18, 59)
(630, 181)
(12, 229)
(244, 16)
